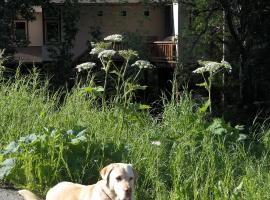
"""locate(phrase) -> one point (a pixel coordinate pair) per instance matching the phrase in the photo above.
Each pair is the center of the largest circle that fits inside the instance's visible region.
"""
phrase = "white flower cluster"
(85, 66)
(128, 54)
(114, 38)
(99, 47)
(143, 64)
(212, 67)
(96, 51)
(106, 54)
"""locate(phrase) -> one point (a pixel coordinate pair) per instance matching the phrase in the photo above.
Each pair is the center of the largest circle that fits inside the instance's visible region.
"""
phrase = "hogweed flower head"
(95, 51)
(128, 54)
(85, 66)
(143, 64)
(106, 54)
(212, 67)
(114, 38)
(99, 47)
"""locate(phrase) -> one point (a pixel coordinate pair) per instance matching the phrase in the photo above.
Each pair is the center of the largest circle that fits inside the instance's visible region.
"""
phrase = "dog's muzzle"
(128, 193)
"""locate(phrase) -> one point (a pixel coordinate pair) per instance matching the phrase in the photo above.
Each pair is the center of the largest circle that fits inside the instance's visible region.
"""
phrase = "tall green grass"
(184, 155)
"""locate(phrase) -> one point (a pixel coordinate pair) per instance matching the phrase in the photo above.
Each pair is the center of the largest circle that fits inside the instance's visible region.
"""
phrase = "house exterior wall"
(35, 30)
(112, 22)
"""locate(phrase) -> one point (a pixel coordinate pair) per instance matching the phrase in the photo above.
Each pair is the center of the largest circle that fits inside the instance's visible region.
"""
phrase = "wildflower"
(157, 143)
(106, 54)
(96, 51)
(128, 54)
(226, 65)
(85, 66)
(114, 38)
(99, 47)
(212, 67)
(143, 64)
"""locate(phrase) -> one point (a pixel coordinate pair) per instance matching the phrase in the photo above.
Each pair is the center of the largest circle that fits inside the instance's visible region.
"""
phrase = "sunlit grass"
(181, 156)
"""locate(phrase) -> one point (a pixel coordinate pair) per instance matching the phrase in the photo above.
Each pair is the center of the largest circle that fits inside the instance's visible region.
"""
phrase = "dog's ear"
(105, 173)
(134, 172)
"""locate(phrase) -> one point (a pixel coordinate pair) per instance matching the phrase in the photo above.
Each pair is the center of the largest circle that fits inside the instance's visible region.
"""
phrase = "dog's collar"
(110, 198)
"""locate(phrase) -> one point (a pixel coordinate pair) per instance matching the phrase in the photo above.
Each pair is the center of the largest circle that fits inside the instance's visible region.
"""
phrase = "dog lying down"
(117, 184)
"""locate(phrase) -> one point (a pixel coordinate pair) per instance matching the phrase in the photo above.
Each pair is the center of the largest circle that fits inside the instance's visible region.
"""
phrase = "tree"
(247, 38)
(9, 11)
(61, 53)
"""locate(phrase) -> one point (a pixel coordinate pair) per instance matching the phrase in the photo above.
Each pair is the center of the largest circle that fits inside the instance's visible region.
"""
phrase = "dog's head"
(120, 178)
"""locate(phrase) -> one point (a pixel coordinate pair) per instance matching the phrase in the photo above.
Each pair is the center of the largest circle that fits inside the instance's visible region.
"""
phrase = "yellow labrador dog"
(117, 184)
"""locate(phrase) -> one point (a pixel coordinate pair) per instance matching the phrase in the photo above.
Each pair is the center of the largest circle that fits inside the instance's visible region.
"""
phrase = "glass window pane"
(20, 30)
(123, 13)
(52, 32)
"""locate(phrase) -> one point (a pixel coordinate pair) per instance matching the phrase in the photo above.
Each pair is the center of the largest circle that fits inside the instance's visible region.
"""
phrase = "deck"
(162, 53)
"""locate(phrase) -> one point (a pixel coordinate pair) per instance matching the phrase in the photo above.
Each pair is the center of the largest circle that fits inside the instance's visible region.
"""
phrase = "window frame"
(146, 13)
(123, 13)
(48, 19)
(100, 13)
(26, 29)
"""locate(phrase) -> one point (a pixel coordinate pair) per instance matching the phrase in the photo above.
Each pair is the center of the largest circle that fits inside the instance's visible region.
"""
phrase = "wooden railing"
(119, 46)
(160, 51)
(163, 51)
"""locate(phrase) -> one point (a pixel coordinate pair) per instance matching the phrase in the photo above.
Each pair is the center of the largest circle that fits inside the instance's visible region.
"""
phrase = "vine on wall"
(62, 53)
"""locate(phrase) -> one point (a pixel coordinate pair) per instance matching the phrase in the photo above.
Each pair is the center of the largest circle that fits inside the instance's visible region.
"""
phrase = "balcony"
(161, 52)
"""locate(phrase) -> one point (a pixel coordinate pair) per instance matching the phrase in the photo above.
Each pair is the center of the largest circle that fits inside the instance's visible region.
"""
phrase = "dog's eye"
(118, 178)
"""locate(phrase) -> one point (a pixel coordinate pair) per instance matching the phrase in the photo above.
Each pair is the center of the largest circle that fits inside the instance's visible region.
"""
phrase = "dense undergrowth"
(183, 155)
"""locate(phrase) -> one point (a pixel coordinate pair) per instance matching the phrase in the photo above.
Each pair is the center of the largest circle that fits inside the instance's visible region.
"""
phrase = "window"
(146, 13)
(20, 31)
(123, 13)
(100, 13)
(52, 25)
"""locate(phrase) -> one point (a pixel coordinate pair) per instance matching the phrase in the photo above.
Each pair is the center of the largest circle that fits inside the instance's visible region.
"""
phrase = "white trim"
(37, 9)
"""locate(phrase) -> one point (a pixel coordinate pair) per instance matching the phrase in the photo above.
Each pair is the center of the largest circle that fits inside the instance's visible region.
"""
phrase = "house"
(156, 21)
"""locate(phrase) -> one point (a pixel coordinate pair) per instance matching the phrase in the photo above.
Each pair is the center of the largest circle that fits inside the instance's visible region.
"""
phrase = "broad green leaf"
(78, 140)
(144, 107)
(98, 89)
(204, 108)
(239, 127)
(242, 137)
(11, 148)
(202, 84)
(88, 89)
(6, 167)
(217, 127)
(28, 138)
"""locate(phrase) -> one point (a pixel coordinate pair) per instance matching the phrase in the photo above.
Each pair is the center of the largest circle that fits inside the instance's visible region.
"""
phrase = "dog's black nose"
(128, 191)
